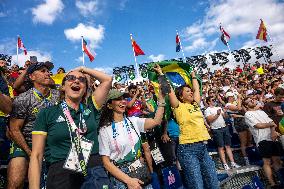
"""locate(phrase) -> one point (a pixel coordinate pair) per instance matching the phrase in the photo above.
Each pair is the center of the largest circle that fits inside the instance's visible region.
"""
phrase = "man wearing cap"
(23, 83)
(24, 111)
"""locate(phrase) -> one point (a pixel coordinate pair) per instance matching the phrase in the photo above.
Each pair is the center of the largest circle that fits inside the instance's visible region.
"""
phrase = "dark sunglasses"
(73, 78)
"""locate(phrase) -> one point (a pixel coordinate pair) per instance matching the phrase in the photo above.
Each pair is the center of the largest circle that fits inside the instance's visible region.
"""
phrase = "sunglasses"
(73, 78)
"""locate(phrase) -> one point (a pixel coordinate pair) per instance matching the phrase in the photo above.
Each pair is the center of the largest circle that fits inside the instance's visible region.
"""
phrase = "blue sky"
(51, 29)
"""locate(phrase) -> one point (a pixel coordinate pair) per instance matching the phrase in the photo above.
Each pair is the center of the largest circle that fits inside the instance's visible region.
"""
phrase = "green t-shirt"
(51, 122)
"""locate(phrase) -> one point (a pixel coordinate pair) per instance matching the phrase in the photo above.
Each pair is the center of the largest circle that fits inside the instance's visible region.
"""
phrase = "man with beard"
(265, 137)
(25, 109)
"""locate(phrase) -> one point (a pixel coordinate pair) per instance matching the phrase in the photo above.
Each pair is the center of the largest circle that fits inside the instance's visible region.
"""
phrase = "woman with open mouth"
(120, 142)
(67, 135)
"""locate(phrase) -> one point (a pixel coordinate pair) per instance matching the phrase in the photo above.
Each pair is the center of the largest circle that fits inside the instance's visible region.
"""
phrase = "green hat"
(114, 94)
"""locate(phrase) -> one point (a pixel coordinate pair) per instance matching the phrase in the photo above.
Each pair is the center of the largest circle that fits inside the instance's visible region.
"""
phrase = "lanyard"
(129, 133)
(75, 136)
(40, 96)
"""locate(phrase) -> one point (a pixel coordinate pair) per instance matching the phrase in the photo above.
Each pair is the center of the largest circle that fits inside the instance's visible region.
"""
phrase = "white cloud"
(201, 43)
(79, 59)
(87, 8)
(157, 58)
(240, 18)
(8, 46)
(107, 70)
(122, 4)
(22, 58)
(93, 34)
(2, 14)
(48, 11)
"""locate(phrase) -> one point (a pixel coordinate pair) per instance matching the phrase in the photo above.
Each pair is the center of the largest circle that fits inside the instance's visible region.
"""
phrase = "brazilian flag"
(178, 73)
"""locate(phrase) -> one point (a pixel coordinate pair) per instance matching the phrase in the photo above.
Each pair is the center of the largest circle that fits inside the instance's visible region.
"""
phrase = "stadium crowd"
(91, 132)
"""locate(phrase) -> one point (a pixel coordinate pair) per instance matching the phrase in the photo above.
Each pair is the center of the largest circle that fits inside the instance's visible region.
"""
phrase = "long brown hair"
(179, 91)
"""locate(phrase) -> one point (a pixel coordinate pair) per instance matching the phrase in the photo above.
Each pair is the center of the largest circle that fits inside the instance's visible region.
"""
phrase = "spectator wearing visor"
(120, 140)
(67, 134)
(22, 118)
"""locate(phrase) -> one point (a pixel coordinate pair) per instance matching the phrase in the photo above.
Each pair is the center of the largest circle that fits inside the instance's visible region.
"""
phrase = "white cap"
(268, 95)
(249, 92)
(228, 94)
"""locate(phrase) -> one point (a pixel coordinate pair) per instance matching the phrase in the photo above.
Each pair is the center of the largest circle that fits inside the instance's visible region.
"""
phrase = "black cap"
(38, 65)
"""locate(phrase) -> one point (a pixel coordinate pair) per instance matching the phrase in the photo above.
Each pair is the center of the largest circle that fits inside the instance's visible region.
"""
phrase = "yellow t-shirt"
(260, 70)
(191, 122)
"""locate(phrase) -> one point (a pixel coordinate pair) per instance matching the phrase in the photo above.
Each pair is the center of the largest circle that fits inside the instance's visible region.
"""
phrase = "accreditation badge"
(157, 155)
(72, 161)
(135, 165)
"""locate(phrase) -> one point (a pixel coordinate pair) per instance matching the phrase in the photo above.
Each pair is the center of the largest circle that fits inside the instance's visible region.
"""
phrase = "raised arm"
(172, 96)
(18, 84)
(195, 88)
(157, 120)
(103, 88)
(132, 101)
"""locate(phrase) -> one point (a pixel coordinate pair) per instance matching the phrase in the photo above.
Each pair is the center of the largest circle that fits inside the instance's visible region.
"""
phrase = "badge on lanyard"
(135, 165)
(72, 161)
(157, 155)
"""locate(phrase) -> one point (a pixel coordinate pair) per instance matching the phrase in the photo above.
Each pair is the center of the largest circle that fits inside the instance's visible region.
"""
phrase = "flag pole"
(83, 55)
(17, 50)
(228, 46)
(184, 60)
(230, 52)
(136, 64)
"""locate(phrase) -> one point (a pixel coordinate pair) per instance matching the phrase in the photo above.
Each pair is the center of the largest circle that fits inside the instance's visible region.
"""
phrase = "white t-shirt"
(217, 123)
(107, 144)
(254, 117)
(226, 88)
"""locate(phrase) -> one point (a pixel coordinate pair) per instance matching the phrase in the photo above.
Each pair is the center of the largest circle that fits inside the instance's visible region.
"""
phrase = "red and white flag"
(21, 46)
(86, 50)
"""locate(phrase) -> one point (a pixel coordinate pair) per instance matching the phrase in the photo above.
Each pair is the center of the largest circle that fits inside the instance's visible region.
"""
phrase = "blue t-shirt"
(282, 106)
(173, 128)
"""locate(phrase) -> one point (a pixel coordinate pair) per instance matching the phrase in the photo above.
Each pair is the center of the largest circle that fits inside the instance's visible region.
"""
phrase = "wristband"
(161, 104)
(194, 77)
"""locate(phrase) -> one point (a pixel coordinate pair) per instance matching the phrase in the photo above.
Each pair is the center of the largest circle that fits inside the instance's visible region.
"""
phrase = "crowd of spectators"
(246, 100)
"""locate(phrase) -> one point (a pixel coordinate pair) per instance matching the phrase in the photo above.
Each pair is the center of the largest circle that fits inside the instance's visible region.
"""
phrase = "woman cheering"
(198, 167)
(120, 141)
(66, 134)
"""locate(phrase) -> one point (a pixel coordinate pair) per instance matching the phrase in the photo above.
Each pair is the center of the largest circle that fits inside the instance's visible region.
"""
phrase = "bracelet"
(194, 77)
(161, 104)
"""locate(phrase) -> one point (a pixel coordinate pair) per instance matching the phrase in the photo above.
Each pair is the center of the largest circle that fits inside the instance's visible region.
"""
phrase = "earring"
(109, 106)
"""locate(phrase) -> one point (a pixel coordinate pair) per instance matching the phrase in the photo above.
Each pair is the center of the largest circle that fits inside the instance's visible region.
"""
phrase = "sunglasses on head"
(73, 78)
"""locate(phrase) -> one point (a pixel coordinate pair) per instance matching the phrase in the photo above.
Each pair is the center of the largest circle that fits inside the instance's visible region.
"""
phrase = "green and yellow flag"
(178, 73)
